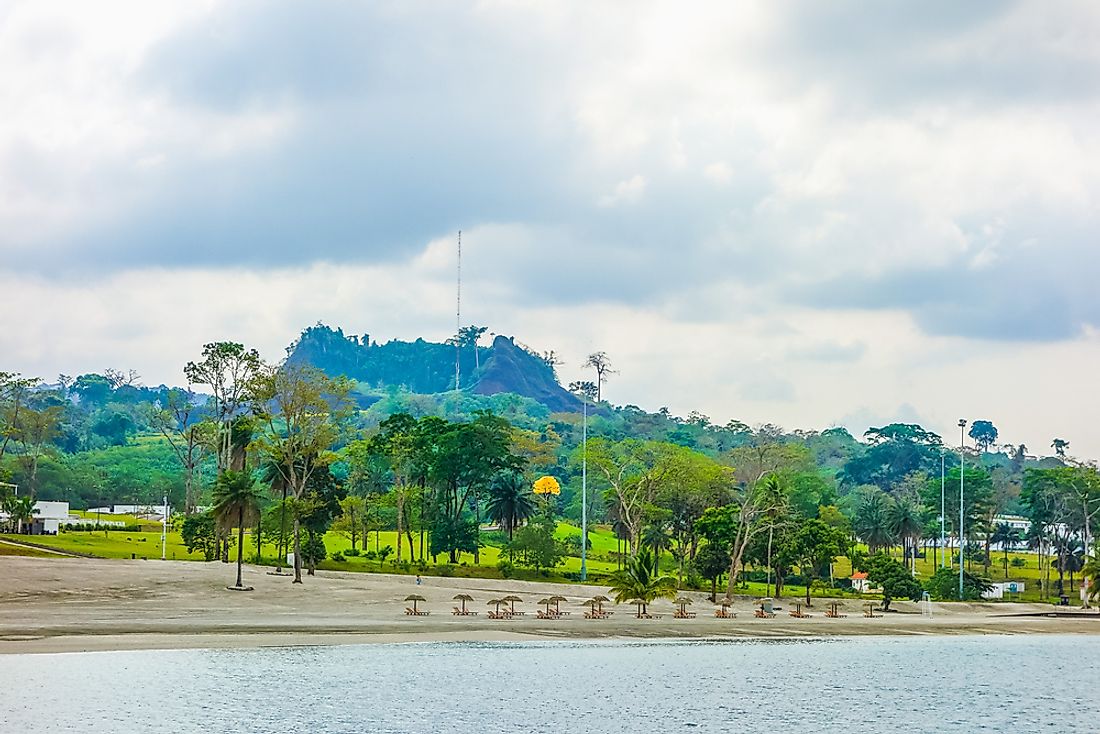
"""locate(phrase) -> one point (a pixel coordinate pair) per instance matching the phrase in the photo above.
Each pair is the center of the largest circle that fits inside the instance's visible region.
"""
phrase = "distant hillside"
(429, 367)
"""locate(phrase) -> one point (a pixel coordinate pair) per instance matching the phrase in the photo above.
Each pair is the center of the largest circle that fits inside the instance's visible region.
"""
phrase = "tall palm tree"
(871, 522)
(236, 503)
(903, 518)
(510, 501)
(1092, 573)
(656, 538)
(774, 496)
(1006, 535)
(20, 510)
(638, 584)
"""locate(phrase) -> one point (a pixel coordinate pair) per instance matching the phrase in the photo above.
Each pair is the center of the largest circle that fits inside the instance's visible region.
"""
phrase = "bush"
(338, 557)
(1018, 562)
(447, 570)
(507, 568)
(351, 552)
(944, 585)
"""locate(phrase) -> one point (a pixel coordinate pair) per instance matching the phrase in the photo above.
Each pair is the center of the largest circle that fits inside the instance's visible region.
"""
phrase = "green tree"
(600, 362)
(351, 522)
(984, 434)
(944, 585)
(300, 409)
(536, 546)
(200, 534)
(903, 518)
(1007, 536)
(639, 585)
(236, 504)
(710, 562)
(871, 519)
(228, 369)
(510, 502)
(816, 546)
(20, 510)
(893, 577)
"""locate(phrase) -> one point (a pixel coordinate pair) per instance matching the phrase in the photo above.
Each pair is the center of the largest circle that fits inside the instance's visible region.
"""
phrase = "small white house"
(860, 582)
(1001, 589)
(48, 518)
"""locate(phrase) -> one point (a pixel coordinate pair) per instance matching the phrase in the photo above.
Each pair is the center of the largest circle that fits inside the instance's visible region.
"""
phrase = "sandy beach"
(76, 604)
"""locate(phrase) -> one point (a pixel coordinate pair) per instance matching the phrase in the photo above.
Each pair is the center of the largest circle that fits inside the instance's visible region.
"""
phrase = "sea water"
(872, 684)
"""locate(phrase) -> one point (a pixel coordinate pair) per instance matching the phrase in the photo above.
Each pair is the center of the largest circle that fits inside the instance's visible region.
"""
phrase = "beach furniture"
(834, 611)
(870, 611)
(681, 611)
(724, 611)
(798, 613)
(764, 609)
(463, 611)
(497, 613)
(415, 611)
(511, 599)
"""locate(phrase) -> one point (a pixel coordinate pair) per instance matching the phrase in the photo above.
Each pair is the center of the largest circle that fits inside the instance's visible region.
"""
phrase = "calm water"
(968, 684)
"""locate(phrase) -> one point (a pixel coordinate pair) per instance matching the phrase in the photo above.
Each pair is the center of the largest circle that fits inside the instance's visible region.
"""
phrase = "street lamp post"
(943, 512)
(962, 474)
(584, 492)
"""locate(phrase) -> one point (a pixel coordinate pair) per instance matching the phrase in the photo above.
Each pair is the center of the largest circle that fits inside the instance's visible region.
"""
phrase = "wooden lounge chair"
(798, 613)
(833, 612)
(723, 613)
(409, 611)
(761, 614)
(870, 612)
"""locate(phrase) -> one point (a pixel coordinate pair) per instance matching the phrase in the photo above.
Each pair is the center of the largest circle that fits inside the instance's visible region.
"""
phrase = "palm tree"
(510, 503)
(872, 520)
(775, 499)
(656, 538)
(236, 503)
(1092, 572)
(1006, 535)
(20, 510)
(638, 584)
(903, 518)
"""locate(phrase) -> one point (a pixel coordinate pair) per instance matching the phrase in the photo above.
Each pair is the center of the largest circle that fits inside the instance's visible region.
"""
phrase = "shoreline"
(50, 606)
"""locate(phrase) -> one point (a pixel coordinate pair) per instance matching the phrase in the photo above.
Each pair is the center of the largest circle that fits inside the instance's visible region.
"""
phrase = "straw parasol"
(496, 603)
(557, 602)
(683, 601)
(600, 599)
(512, 599)
(414, 598)
(463, 598)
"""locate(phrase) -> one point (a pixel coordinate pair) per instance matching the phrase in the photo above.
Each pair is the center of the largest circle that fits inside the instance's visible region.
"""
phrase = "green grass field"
(601, 563)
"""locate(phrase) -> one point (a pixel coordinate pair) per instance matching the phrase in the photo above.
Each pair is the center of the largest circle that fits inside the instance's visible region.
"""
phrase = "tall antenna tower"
(458, 314)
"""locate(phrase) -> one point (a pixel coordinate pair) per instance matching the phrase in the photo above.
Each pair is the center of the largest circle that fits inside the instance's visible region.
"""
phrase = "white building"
(48, 518)
(1001, 589)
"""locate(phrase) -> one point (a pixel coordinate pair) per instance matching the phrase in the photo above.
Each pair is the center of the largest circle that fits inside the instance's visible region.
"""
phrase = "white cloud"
(626, 192)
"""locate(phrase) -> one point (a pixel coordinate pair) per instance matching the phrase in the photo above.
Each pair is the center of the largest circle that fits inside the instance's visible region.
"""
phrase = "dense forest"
(344, 418)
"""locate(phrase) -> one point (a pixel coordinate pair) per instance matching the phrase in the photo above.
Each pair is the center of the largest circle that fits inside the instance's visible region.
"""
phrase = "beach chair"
(409, 611)
(833, 612)
(870, 611)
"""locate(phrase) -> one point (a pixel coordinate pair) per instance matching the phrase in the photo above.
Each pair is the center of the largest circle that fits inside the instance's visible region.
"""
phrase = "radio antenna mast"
(458, 315)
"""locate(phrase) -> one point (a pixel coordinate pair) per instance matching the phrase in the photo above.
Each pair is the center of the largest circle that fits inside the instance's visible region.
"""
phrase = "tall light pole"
(584, 491)
(164, 530)
(943, 512)
(962, 474)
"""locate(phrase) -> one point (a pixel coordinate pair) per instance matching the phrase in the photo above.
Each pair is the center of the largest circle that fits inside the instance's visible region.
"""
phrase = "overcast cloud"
(802, 213)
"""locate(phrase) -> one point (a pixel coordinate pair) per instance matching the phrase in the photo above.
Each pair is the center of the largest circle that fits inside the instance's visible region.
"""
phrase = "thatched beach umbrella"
(546, 603)
(557, 602)
(512, 599)
(683, 601)
(463, 598)
(414, 598)
(496, 603)
(601, 600)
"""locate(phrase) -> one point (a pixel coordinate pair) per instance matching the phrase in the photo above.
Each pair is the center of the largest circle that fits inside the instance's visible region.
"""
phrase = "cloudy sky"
(812, 214)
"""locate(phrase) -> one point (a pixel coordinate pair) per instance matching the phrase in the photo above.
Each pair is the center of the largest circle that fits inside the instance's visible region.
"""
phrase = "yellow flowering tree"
(545, 488)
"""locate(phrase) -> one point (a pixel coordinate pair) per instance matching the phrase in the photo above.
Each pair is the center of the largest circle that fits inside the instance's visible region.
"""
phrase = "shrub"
(1018, 562)
(338, 557)
(507, 568)
(944, 585)
(351, 552)
(447, 570)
